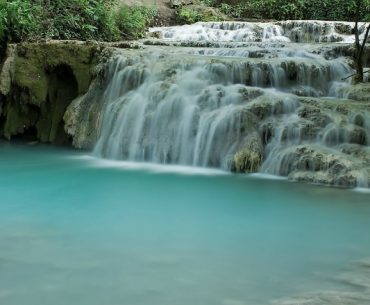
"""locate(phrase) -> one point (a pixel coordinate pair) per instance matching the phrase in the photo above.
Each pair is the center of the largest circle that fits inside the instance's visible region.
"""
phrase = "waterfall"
(269, 107)
(308, 31)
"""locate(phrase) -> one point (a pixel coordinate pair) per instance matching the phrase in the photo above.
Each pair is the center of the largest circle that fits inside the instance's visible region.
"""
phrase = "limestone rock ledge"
(38, 81)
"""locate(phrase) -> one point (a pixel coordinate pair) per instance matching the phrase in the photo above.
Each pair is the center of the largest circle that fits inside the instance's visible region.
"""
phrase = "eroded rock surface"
(38, 82)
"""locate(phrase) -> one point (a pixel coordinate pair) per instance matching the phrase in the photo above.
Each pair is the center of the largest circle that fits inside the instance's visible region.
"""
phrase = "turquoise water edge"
(75, 229)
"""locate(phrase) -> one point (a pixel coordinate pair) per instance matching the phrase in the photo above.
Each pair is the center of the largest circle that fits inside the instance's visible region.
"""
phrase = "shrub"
(19, 19)
(196, 13)
(78, 19)
(2, 19)
(280, 9)
(63, 19)
(71, 19)
(132, 21)
(235, 11)
(293, 9)
(333, 9)
(187, 15)
(209, 2)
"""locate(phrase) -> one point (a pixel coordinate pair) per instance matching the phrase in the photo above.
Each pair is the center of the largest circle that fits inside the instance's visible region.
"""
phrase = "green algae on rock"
(39, 81)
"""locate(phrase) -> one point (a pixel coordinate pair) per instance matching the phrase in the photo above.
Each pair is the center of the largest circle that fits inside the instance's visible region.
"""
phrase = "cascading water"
(281, 31)
(251, 101)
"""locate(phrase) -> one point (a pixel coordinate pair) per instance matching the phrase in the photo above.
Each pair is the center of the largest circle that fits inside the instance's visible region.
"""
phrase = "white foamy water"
(152, 167)
(191, 113)
(282, 31)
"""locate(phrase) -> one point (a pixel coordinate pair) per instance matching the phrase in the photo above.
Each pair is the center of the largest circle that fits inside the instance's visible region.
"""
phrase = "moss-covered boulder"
(249, 158)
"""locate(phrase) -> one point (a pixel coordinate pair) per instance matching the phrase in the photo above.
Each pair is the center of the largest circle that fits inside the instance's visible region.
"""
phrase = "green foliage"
(63, 19)
(3, 19)
(335, 9)
(294, 9)
(265, 9)
(280, 9)
(18, 19)
(71, 19)
(235, 11)
(132, 21)
(78, 19)
(209, 2)
(189, 15)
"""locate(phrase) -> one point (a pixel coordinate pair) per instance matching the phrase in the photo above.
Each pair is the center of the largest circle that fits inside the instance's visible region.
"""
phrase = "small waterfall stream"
(239, 96)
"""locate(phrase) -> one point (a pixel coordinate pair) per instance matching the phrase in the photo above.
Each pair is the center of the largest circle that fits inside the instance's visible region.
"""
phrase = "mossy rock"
(249, 158)
(34, 61)
(44, 79)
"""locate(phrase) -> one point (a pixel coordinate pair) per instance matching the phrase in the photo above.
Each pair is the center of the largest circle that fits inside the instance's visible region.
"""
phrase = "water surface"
(75, 230)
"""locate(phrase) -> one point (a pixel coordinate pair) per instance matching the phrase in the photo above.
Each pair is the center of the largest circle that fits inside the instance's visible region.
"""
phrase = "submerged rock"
(328, 298)
(355, 289)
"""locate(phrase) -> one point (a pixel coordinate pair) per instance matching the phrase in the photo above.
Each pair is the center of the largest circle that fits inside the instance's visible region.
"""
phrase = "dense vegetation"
(188, 15)
(275, 9)
(71, 19)
(291, 9)
(104, 20)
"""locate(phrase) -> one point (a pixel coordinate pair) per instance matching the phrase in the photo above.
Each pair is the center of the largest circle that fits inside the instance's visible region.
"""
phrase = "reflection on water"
(76, 231)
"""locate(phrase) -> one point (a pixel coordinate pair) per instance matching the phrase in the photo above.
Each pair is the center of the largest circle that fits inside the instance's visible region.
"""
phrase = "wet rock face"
(82, 118)
(324, 146)
(7, 70)
(316, 115)
(319, 165)
(359, 92)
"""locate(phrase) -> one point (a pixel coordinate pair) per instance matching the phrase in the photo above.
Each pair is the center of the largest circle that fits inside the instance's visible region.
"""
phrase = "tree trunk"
(359, 78)
(359, 46)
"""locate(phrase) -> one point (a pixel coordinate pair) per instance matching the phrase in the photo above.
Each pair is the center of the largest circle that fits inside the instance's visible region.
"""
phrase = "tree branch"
(357, 35)
(345, 78)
